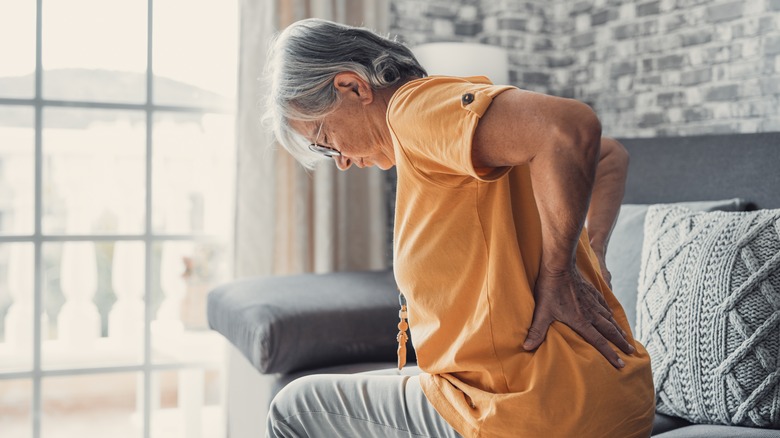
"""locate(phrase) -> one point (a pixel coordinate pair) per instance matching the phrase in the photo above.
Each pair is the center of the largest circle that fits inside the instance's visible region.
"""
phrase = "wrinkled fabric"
(467, 253)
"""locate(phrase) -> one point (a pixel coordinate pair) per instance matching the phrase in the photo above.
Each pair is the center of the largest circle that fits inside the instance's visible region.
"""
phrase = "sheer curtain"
(290, 220)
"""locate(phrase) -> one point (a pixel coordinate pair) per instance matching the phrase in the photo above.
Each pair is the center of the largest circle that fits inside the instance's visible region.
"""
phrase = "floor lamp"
(464, 59)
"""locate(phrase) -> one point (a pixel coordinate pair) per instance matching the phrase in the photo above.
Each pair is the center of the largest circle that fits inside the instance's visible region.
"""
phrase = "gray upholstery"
(664, 423)
(286, 324)
(710, 431)
(701, 168)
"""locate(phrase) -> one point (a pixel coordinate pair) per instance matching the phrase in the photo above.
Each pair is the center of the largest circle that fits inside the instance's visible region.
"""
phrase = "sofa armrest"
(290, 323)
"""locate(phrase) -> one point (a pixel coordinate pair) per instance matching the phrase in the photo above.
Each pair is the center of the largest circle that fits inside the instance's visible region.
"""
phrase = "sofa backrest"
(675, 169)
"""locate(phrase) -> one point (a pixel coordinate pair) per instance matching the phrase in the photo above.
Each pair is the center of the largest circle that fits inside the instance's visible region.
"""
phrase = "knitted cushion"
(709, 314)
(625, 248)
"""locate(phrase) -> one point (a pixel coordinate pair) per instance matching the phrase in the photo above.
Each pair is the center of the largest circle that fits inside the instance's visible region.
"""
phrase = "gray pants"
(367, 405)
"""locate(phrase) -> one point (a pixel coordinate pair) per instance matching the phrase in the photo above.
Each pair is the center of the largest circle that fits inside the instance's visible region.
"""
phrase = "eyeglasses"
(323, 150)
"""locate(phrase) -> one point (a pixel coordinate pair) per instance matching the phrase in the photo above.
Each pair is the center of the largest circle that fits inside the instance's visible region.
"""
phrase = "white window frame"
(148, 238)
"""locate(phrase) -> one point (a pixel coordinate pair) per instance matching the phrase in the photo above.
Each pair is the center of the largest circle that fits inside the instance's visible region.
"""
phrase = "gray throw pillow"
(709, 314)
(284, 324)
(624, 253)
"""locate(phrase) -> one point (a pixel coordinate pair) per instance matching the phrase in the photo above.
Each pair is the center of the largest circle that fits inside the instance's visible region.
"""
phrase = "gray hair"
(303, 61)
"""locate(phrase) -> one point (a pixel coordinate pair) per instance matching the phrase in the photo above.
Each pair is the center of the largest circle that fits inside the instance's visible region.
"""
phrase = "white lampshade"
(464, 59)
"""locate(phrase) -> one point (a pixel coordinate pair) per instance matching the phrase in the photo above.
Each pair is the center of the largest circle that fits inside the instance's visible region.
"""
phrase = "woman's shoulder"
(432, 101)
(432, 121)
(433, 88)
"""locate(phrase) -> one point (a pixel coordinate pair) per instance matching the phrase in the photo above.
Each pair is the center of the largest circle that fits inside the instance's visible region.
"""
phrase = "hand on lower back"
(570, 299)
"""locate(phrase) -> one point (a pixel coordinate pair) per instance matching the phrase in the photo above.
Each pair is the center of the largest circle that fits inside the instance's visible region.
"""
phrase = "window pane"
(17, 48)
(183, 273)
(94, 302)
(16, 408)
(195, 52)
(187, 404)
(93, 406)
(93, 171)
(94, 50)
(17, 169)
(194, 172)
(17, 277)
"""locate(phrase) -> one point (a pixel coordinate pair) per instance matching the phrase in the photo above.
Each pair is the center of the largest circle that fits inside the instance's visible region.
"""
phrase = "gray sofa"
(285, 327)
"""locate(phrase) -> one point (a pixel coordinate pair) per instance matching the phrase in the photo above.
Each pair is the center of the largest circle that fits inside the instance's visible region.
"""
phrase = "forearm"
(563, 181)
(559, 139)
(608, 190)
(560, 291)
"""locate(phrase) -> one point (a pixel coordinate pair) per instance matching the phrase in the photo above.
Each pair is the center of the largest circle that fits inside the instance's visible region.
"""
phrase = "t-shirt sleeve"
(433, 121)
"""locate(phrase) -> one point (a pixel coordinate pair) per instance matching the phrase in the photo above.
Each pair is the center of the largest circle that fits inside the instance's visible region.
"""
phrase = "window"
(117, 167)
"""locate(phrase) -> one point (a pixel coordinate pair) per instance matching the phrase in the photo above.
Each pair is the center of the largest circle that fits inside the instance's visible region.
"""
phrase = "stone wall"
(649, 68)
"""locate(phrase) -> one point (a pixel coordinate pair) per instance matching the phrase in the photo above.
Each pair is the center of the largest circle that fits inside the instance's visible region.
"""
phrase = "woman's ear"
(350, 85)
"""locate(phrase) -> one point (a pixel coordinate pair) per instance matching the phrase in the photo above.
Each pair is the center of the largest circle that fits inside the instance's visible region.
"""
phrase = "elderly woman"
(505, 203)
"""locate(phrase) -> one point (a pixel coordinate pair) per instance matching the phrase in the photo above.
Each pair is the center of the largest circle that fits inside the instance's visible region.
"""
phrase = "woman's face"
(357, 129)
(350, 131)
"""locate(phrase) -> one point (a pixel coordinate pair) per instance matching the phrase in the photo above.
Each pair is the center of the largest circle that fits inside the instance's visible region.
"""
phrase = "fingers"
(590, 334)
(599, 334)
(537, 332)
(615, 323)
(609, 329)
(606, 313)
(578, 304)
(599, 297)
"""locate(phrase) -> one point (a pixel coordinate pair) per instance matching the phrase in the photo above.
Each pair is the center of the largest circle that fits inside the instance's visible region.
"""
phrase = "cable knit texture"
(709, 314)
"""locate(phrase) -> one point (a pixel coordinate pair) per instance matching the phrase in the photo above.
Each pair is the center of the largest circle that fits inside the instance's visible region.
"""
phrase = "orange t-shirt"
(467, 253)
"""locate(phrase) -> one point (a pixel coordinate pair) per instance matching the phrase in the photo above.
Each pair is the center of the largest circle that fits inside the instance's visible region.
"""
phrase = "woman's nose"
(342, 162)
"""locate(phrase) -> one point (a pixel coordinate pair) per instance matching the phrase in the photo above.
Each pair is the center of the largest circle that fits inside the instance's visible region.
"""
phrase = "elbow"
(580, 128)
(620, 152)
(588, 129)
(614, 151)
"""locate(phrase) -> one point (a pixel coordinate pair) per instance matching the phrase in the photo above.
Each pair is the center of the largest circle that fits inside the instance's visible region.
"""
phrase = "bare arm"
(607, 195)
(560, 138)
